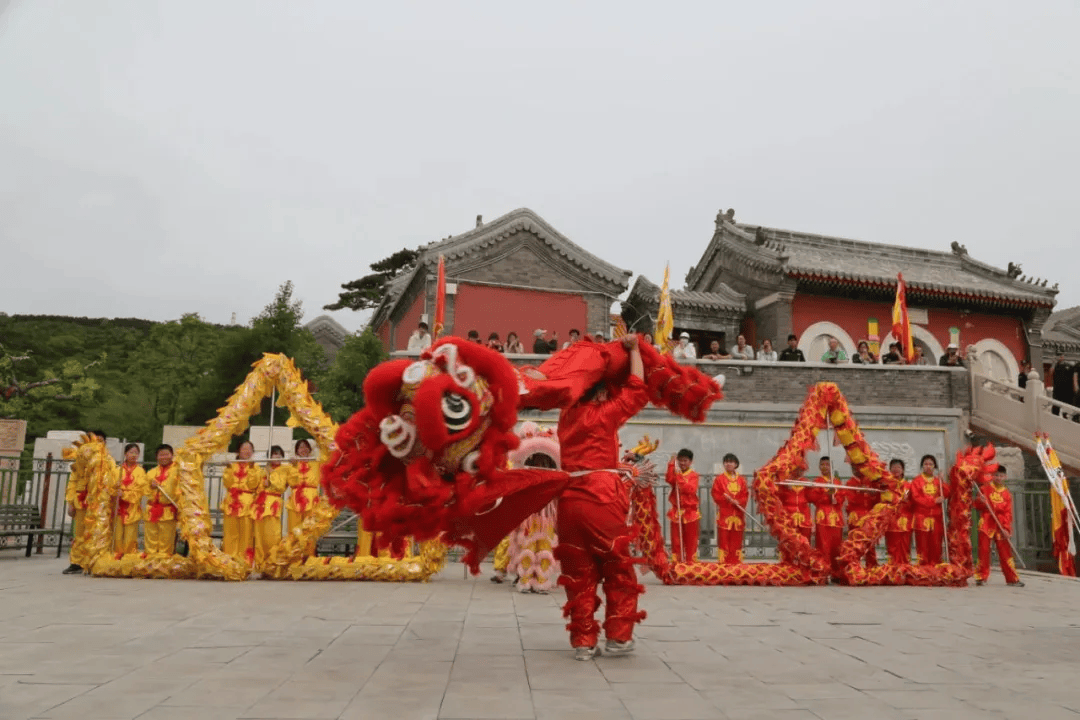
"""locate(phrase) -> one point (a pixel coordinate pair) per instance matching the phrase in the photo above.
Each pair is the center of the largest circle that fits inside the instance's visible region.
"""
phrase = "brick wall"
(919, 387)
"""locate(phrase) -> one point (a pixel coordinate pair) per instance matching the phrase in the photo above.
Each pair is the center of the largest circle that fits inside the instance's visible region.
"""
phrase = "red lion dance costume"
(427, 458)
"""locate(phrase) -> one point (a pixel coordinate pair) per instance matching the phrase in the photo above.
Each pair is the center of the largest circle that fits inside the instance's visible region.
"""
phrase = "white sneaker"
(586, 653)
(612, 647)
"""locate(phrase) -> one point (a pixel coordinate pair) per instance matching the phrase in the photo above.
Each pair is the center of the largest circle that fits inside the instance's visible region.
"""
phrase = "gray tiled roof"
(724, 298)
(827, 258)
(524, 219)
(1062, 330)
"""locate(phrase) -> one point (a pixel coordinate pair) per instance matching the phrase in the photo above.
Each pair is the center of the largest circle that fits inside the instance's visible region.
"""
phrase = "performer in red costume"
(995, 498)
(594, 536)
(683, 509)
(929, 493)
(859, 503)
(898, 536)
(796, 503)
(828, 520)
(730, 494)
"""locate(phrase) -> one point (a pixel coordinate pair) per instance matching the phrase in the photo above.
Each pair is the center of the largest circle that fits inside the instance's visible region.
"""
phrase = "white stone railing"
(1016, 414)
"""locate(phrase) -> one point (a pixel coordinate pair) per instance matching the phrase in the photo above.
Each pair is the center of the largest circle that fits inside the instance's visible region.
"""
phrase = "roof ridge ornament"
(958, 249)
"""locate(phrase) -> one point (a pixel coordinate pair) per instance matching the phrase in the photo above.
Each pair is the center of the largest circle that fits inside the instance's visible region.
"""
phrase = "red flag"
(901, 325)
(440, 300)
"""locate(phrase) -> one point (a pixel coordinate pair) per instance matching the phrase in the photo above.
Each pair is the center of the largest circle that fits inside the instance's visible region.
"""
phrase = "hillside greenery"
(131, 377)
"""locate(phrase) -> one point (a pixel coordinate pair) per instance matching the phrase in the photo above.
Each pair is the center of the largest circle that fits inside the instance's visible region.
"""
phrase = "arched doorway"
(815, 340)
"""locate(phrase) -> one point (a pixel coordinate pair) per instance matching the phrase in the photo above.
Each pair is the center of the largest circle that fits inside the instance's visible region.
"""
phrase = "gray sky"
(161, 157)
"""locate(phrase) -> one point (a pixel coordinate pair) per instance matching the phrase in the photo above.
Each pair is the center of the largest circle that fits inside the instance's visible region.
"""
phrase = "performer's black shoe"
(496, 579)
(980, 582)
(72, 569)
(1018, 583)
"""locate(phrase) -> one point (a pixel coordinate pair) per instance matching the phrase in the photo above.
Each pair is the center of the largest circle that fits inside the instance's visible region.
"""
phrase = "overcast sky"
(158, 158)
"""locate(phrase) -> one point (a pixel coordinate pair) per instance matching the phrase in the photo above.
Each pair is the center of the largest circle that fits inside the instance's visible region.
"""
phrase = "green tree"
(276, 329)
(367, 292)
(341, 390)
(171, 364)
(42, 394)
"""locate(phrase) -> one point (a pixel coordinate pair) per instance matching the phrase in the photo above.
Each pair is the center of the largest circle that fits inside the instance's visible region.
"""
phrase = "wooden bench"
(18, 520)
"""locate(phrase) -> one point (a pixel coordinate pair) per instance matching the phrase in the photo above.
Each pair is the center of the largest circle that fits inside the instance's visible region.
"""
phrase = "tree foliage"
(367, 292)
(341, 390)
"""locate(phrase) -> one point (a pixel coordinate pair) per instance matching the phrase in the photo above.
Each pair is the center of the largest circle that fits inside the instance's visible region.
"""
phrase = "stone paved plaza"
(85, 648)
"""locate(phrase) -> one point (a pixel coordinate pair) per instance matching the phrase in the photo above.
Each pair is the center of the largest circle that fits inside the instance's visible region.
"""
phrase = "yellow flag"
(665, 320)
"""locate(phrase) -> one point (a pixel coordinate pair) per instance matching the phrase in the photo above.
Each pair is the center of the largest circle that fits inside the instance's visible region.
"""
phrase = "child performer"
(730, 494)
(995, 500)
(928, 492)
(132, 486)
(163, 484)
(859, 503)
(266, 509)
(898, 536)
(683, 506)
(241, 479)
(305, 489)
(828, 518)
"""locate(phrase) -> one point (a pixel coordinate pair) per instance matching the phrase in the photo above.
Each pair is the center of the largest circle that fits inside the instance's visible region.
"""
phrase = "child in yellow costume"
(131, 479)
(267, 507)
(241, 479)
(305, 489)
(75, 496)
(160, 512)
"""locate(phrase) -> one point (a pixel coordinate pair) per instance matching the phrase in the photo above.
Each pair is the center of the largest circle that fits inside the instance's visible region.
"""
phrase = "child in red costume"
(898, 536)
(730, 494)
(928, 493)
(859, 503)
(796, 503)
(594, 537)
(683, 507)
(828, 519)
(995, 498)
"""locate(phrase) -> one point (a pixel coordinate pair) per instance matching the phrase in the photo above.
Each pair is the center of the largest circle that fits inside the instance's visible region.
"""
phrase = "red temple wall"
(488, 309)
(853, 315)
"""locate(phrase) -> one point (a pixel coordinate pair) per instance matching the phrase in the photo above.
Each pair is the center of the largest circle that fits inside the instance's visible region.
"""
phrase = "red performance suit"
(929, 517)
(828, 520)
(1001, 505)
(594, 537)
(727, 490)
(898, 536)
(683, 512)
(859, 503)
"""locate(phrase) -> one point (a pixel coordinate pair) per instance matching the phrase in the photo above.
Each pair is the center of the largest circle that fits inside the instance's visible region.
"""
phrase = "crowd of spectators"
(545, 343)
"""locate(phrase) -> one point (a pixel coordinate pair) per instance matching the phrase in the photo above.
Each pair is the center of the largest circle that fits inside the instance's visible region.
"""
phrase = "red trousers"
(1008, 565)
(684, 539)
(594, 548)
(928, 544)
(729, 546)
(898, 545)
(827, 541)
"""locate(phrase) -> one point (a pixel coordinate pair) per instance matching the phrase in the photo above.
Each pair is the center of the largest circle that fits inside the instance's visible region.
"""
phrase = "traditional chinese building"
(514, 274)
(1061, 334)
(706, 316)
(329, 333)
(818, 286)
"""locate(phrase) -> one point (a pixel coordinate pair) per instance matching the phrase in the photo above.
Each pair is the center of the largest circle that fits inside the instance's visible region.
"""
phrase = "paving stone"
(465, 648)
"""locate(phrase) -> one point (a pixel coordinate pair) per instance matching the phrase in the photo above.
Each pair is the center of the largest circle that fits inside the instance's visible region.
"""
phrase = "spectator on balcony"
(1022, 378)
(575, 335)
(420, 338)
(598, 336)
(767, 353)
(1064, 375)
(835, 355)
(742, 351)
(494, 343)
(685, 350)
(715, 352)
(792, 353)
(920, 356)
(951, 358)
(894, 356)
(542, 346)
(863, 356)
(474, 337)
(513, 345)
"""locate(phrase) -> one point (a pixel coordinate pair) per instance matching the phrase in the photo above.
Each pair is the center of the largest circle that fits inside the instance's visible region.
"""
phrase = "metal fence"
(43, 487)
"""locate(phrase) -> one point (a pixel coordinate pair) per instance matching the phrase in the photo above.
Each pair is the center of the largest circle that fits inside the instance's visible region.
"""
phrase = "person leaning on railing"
(792, 353)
